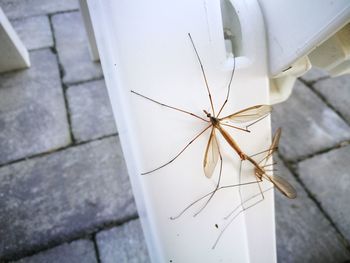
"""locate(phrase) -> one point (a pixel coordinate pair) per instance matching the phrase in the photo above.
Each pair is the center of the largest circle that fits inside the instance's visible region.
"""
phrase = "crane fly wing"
(211, 156)
(283, 186)
(248, 114)
(274, 145)
(275, 141)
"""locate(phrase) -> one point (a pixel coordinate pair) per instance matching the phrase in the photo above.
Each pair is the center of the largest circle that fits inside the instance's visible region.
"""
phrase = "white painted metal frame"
(13, 54)
(144, 46)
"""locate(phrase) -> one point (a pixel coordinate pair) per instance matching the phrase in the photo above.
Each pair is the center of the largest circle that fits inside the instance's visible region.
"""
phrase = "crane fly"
(216, 124)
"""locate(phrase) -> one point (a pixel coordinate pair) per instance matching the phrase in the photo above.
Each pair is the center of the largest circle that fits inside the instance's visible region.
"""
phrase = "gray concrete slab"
(314, 74)
(47, 200)
(72, 48)
(309, 126)
(123, 244)
(337, 92)
(327, 176)
(303, 232)
(33, 118)
(90, 111)
(35, 32)
(24, 8)
(80, 251)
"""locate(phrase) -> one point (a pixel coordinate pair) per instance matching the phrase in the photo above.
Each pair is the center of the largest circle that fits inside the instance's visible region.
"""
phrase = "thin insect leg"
(270, 164)
(228, 87)
(168, 106)
(251, 124)
(239, 182)
(208, 194)
(217, 185)
(203, 73)
(257, 180)
(177, 155)
(271, 170)
(235, 127)
(264, 151)
(235, 216)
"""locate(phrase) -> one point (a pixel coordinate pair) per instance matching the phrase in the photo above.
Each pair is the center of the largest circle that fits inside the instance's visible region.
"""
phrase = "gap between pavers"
(80, 251)
(35, 32)
(327, 177)
(72, 48)
(123, 244)
(26, 8)
(309, 125)
(304, 234)
(33, 117)
(90, 111)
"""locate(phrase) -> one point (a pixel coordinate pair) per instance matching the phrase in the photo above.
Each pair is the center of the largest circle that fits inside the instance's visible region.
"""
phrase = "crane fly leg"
(236, 215)
(203, 73)
(177, 155)
(168, 106)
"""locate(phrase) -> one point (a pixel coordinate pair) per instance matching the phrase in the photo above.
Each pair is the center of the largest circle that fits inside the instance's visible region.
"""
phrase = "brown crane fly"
(217, 124)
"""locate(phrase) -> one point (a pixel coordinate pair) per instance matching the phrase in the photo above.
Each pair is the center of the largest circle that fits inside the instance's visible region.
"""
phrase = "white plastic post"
(13, 54)
(89, 31)
(144, 46)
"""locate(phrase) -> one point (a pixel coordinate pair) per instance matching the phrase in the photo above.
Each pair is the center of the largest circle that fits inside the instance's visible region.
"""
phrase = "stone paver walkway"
(64, 191)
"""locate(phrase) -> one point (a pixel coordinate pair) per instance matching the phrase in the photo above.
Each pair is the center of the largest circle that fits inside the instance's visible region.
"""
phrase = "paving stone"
(308, 125)
(75, 252)
(303, 232)
(33, 117)
(47, 200)
(24, 8)
(337, 92)
(90, 111)
(72, 47)
(124, 244)
(314, 74)
(34, 31)
(327, 176)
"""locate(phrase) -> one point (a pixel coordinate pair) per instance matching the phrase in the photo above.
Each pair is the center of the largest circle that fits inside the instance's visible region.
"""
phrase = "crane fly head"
(207, 114)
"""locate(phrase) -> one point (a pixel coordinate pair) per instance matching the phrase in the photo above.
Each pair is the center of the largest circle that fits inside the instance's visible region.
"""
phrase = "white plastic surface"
(334, 54)
(144, 46)
(13, 54)
(296, 27)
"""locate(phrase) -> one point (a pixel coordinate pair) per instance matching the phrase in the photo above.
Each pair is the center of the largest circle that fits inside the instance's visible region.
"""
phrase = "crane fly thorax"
(215, 122)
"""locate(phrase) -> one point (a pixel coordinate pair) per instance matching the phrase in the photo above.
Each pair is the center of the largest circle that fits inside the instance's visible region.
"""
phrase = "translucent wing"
(248, 114)
(211, 156)
(275, 141)
(283, 186)
(274, 145)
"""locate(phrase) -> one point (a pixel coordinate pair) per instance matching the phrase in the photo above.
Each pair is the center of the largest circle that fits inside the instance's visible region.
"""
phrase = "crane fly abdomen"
(231, 142)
